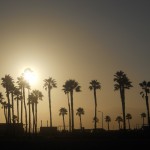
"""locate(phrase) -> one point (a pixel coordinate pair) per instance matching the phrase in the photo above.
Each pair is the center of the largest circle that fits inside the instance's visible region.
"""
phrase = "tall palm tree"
(94, 85)
(80, 111)
(49, 84)
(122, 83)
(143, 115)
(119, 120)
(66, 91)
(129, 117)
(22, 85)
(108, 120)
(72, 86)
(37, 96)
(63, 112)
(7, 83)
(146, 90)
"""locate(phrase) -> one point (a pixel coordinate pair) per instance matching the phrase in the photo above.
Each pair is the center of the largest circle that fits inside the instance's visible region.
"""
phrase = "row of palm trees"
(18, 93)
(121, 80)
(80, 111)
(63, 111)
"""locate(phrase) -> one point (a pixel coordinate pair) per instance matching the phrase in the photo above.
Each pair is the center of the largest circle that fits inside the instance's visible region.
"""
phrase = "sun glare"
(30, 76)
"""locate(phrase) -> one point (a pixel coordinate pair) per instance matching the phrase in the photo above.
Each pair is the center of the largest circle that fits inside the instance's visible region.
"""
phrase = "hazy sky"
(81, 40)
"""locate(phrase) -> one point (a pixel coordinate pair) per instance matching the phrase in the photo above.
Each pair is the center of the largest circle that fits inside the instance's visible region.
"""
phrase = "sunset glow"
(29, 76)
(79, 40)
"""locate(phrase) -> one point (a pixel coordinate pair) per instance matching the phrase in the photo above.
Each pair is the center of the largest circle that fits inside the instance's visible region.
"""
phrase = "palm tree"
(129, 117)
(94, 85)
(32, 101)
(146, 90)
(17, 97)
(143, 115)
(12, 88)
(80, 111)
(37, 96)
(108, 120)
(72, 85)
(66, 91)
(95, 119)
(7, 83)
(119, 120)
(49, 84)
(22, 85)
(63, 112)
(122, 83)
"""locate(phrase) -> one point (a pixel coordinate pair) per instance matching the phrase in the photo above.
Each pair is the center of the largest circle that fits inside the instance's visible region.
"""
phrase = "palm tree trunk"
(21, 106)
(33, 117)
(36, 118)
(95, 123)
(72, 111)
(80, 123)
(147, 106)
(9, 113)
(12, 96)
(29, 112)
(108, 126)
(50, 111)
(63, 122)
(5, 114)
(119, 125)
(69, 113)
(123, 107)
(143, 121)
(129, 123)
(18, 108)
(25, 109)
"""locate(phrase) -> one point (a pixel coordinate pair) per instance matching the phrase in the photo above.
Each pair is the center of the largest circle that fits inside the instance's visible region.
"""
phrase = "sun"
(29, 75)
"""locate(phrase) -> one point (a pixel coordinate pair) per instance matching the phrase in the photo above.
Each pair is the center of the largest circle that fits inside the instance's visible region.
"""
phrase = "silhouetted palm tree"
(94, 85)
(37, 96)
(66, 91)
(22, 85)
(80, 111)
(146, 90)
(32, 101)
(95, 119)
(122, 83)
(108, 120)
(143, 115)
(17, 97)
(119, 120)
(63, 112)
(72, 85)
(7, 83)
(129, 117)
(12, 88)
(49, 84)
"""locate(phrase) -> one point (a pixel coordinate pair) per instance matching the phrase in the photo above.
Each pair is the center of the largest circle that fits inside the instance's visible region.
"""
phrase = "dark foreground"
(120, 140)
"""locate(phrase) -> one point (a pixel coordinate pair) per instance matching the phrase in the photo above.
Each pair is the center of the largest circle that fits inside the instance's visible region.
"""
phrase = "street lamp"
(102, 118)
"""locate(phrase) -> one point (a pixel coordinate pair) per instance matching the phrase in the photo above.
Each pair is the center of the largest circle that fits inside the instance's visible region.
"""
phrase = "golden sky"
(81, 40)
